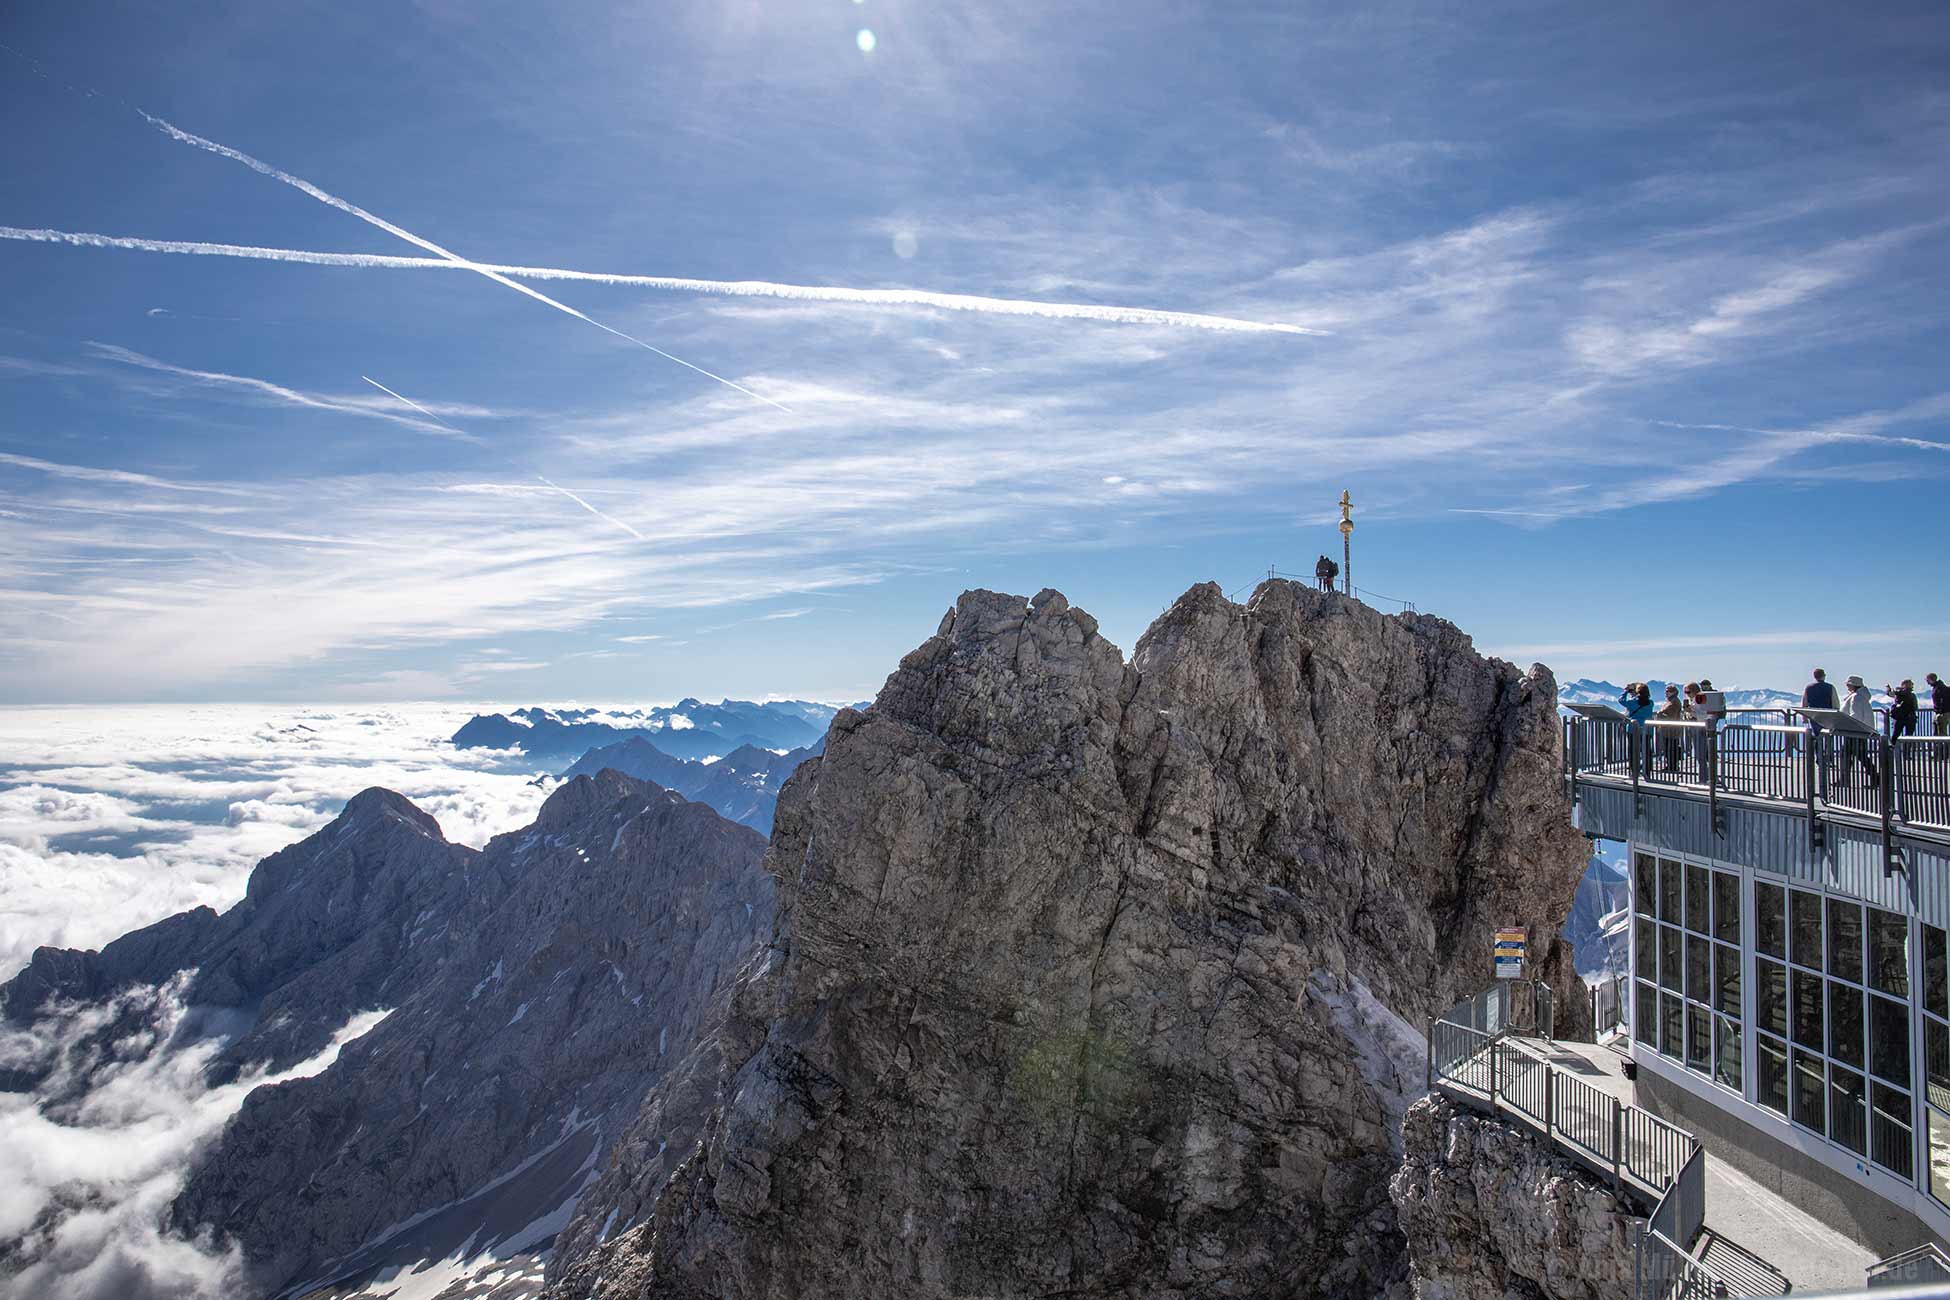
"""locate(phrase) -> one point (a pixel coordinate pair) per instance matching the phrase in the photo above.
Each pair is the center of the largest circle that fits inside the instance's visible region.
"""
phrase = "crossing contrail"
(592, 510)
(678, 284)
(225, 151)
(421, 409)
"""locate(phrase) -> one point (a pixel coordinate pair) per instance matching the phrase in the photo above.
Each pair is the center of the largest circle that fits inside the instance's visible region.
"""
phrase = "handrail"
(1924, 1263)
(1484, 1067)
(1898, 781)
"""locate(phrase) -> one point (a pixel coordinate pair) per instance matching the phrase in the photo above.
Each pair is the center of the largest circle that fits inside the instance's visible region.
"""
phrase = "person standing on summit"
(1325, 571)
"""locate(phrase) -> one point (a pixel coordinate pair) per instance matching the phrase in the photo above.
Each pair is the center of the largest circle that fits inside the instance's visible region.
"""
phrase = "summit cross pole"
(1347, 545)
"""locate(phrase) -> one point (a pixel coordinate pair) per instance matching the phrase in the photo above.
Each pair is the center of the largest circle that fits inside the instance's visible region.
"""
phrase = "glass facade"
(1837, 991)
(1687, 923)
(1831, 1017)
(1935, 991)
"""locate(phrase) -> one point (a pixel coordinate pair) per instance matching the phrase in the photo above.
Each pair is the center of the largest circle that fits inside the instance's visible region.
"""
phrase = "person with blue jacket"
(1636, 701)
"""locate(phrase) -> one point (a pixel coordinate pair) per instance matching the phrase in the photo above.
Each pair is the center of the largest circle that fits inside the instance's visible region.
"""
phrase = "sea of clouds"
(112, 817)
(115, 817)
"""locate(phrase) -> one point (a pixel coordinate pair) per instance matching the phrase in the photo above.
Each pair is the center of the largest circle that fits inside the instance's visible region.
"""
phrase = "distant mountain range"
(1586, 691)
(742, 786)
(688, 729)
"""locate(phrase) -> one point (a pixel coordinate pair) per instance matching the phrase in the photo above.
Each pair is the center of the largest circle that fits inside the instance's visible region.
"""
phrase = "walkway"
(1743, 1219)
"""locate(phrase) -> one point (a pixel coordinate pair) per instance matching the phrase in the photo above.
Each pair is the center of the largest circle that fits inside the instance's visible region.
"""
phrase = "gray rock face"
(537, 990)
(1490, 1213)
(1103, 978)
(576, 962)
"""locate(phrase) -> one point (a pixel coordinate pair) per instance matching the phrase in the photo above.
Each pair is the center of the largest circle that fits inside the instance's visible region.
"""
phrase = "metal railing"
(1609, 1001)
(1904, 781)
(1913, 1267)
(1666, 1267)
(1474, 1058)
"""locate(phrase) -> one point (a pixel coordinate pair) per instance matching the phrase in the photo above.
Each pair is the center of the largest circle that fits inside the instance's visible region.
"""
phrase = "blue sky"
(1632, 350)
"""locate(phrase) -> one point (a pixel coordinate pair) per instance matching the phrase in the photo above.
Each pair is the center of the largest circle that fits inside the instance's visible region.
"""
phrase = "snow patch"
(1393, 1055)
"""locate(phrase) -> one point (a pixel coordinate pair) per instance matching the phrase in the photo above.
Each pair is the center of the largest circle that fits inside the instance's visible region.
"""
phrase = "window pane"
(1889, 1129)
(1726, 906)
(1936, 989)
(1726, 1047)
(1805, 928)
(1936, 1038)
(1648, 946)
(1889, 1039)
(1807, 1010)
(1771, 1074)
(1669, 888)
(1845, 1023)
(1646, 1010)
(1770, 919)
(1810, 1091)
(1845, 939)
(1669, 957)
(1726, 979)
(1699, 972)
(1670, 1010)
(1699, 1038)
(1770, 996)
(1848, 1100)
(1889, 952)
(1696, 900)
(1940, 1157)
(1645, 876)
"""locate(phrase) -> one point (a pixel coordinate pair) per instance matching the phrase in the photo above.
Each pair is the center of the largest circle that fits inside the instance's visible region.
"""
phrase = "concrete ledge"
(1844, 1203)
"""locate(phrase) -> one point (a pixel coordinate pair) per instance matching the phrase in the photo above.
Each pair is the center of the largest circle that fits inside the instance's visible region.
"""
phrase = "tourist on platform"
(1939, 704)
(1859, 705)
(1820, 693)
(1902, 712)
(1637, 703)
(1671, 711)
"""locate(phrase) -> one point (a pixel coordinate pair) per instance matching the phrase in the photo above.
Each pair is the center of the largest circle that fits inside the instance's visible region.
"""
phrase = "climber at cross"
(1325, 571)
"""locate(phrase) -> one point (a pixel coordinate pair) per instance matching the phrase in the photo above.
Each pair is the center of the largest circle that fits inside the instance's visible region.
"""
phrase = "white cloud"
(89, 1182)
(111, 819)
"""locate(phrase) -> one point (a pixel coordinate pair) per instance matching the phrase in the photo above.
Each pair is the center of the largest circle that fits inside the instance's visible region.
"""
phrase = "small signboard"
(1509, 954)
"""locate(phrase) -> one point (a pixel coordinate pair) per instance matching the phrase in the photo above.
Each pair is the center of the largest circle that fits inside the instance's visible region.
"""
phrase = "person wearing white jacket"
(1860, 705)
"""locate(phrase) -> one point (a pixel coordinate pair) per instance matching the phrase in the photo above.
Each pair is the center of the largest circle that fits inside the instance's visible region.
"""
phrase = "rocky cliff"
(1104, 978)
(535, 991)
(1491, 1213)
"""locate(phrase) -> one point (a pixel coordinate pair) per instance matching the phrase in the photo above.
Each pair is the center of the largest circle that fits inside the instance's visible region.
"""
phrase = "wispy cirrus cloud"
(263, 388)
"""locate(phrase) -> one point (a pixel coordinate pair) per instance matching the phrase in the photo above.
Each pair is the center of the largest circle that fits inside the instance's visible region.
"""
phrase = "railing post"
(1887, 773)
(1808, 767)
(1634, 742)
(1431, 1079)
(1617, 1145)
(1496, 1071)
(1550, 1103)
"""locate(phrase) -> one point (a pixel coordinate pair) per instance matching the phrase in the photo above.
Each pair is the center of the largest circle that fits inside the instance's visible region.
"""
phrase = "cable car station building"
(1789, 992)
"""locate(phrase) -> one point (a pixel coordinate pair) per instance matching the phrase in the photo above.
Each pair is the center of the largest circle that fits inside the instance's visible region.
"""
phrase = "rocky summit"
(1062, 974)
(1105, 978)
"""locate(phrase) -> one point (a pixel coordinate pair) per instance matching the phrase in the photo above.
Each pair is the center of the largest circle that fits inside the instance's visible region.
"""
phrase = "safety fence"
(1476, 1057)
(1902, 780)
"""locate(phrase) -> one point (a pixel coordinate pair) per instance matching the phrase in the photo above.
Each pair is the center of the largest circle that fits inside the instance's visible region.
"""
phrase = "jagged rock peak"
(1106, 978)
(376, 802)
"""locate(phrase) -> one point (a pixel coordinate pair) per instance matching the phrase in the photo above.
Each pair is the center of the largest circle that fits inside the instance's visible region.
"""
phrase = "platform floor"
(1742, 1217)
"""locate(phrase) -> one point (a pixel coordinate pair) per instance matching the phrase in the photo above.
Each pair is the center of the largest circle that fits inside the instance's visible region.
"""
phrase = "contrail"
(421, 409)
(592, 510)
(676, 284)
(225, 151)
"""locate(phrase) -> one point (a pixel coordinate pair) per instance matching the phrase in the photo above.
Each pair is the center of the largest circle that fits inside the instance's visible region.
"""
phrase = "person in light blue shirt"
(1636, 701)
